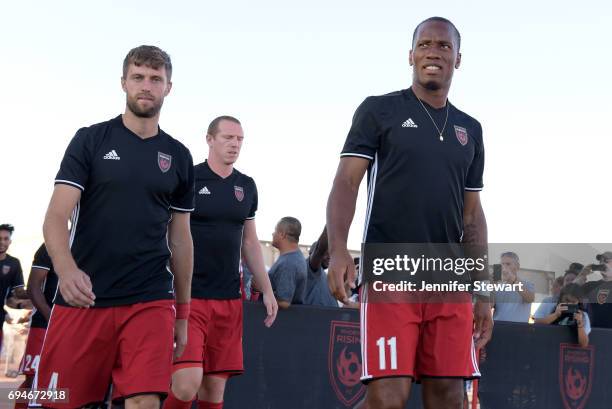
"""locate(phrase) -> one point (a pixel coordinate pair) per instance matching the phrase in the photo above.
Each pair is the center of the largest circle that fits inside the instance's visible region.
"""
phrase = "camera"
(497, 272)
(571, 309)
(598, 267)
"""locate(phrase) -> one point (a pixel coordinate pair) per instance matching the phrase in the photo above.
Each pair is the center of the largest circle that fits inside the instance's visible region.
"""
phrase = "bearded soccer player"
(425, 160)
(129, 252)
(223, 227)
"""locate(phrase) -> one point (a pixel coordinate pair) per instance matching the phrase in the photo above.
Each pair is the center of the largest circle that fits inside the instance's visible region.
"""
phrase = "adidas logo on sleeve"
(409, 123)
(112, 155)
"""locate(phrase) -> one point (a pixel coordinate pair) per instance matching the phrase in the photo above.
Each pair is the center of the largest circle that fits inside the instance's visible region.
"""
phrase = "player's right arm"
(35, 284)
(340, 212)
(74, 285)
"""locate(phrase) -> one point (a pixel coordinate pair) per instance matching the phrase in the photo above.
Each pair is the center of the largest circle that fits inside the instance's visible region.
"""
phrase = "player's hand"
(271, 308)
(180, 337)
(341, 271)
(482, 356)
(483, 322)
(76, 289)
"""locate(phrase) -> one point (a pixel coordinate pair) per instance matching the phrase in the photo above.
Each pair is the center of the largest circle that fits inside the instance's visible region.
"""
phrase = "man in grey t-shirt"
(288, 274)
(317, 289)
(513, 305)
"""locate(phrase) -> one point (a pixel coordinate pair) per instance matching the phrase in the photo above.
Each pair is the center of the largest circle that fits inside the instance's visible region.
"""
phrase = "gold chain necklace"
(441, 132)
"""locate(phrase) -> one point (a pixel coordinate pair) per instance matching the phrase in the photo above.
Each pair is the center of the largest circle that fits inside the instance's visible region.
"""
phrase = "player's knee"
(213, 388)
(450, 399)
(142, 402)
(445, 395)
(186, 389)
(385, 401)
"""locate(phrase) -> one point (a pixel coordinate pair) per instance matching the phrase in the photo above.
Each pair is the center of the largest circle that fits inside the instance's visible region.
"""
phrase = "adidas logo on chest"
(204, 191)
(409, 123)
(112, 155)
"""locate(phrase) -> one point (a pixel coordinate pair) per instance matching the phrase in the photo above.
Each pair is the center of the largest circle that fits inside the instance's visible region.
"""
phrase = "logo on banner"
(344, 361)
(602, 296)
(461, 134)
(576, 375)
(164, 161)
(239, 193)
(6, 269)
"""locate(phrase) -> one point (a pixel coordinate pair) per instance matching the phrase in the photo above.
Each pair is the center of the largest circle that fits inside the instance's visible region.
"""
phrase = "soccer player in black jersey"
(42, 285)
(425, 160)
(223, 227)
(11, 275)
(125, 266)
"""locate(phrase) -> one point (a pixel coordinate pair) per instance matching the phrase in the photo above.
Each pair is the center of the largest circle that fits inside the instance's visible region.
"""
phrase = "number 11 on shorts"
(382, 356)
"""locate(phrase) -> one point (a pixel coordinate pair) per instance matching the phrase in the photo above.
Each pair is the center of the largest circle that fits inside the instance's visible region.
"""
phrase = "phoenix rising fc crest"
(576, 375)
(344, 361)
(462, 135)
(239, 193)
(164, 161)
(6, 269)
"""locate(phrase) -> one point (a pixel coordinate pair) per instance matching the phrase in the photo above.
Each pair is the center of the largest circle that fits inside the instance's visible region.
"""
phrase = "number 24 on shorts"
(382, 355)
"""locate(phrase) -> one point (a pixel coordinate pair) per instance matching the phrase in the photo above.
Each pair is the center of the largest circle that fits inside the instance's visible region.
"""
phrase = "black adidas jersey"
(11, 276)
(130, 187)
(222, 206)
(43, 261)
(416, 182)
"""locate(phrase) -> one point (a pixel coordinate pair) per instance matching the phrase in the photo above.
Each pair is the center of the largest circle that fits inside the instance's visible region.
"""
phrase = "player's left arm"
(181, 265)
(251, 250)
(475, 238)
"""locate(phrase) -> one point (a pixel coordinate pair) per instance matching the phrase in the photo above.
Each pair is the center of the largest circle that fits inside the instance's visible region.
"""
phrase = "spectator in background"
(288, 274)
(513, 305)
(317, 290)
(571, 273)
(11, 275)
(549, 304)
(598, 292)
(564, 314)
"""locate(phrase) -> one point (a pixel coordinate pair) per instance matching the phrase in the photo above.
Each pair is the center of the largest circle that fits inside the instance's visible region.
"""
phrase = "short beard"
(432, 86)
(148, 113)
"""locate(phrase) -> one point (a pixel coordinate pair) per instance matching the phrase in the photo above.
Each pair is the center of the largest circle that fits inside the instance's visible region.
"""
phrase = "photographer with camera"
(598, 292)
(569, 312)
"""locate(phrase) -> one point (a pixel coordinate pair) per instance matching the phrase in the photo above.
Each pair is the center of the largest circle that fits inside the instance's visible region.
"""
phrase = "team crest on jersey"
(6, 269)
(461, 134)
(164, 161)
(344, 361)
(576, 375)
(602, 296)
(239, 193)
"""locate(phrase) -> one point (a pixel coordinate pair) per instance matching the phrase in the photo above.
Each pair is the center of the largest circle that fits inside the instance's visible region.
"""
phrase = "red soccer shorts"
(31, 357)
(214, 342)
(417, 339)
(87, 349)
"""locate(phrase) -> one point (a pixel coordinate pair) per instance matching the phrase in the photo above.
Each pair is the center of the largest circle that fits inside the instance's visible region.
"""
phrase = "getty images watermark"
(433, 269)
(425, 272)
